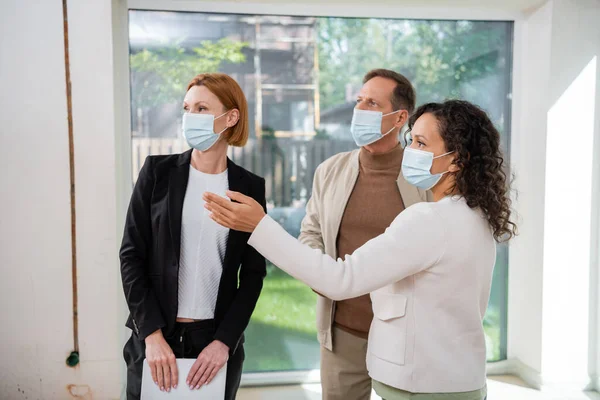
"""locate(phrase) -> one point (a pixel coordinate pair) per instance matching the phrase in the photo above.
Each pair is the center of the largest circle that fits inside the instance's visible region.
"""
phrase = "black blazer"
(151, 246)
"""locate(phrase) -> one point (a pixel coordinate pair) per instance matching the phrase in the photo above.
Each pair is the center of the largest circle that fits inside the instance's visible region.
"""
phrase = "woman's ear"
(453, 166)
(233, 117)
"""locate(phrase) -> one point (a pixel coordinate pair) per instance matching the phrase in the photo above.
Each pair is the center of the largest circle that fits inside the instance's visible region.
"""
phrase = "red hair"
(230, 94)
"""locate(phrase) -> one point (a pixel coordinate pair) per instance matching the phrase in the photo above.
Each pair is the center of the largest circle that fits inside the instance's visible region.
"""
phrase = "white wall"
(591, 18)
(553, 267)
(568, 197)
(595, 242)
(35, 259)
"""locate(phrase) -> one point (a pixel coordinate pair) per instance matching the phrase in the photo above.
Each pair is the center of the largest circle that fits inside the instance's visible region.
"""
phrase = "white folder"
(213, 391)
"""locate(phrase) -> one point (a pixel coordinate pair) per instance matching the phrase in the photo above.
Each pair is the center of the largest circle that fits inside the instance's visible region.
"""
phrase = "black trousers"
(187, 341)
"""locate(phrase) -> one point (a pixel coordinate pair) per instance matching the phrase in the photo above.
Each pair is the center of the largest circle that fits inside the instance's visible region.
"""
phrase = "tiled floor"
(499, 388)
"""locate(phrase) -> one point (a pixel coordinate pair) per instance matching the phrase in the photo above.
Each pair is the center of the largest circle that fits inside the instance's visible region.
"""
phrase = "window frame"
(120, 39)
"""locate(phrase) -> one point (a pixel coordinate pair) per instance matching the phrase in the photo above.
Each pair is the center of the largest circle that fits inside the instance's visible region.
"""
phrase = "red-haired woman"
(179, 268)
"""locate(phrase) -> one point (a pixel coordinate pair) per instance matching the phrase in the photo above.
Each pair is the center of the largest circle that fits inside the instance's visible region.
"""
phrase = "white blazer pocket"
(387, 337)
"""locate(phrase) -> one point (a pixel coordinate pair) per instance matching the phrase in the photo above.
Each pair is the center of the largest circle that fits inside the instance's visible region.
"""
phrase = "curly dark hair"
(481, 179)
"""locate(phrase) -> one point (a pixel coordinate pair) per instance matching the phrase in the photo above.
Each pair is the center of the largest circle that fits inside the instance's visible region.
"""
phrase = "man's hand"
(208, 364)
(162, 361)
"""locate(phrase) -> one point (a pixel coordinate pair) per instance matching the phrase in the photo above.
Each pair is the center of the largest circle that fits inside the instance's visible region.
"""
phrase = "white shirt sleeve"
(414, 242)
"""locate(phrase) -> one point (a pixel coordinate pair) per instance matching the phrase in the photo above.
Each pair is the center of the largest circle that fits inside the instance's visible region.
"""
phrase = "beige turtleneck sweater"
(374, 203)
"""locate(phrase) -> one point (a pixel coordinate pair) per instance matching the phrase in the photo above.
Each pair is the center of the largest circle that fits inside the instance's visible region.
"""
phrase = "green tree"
(346, 52)
(443, 59)
(159, 76)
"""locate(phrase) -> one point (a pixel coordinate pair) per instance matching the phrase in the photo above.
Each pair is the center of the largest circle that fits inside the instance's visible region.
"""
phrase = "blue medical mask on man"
(366, 126)
(416, 168)
(198, 130)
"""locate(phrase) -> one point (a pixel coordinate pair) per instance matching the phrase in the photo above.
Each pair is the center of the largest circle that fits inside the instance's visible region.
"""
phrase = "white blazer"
(429, 276)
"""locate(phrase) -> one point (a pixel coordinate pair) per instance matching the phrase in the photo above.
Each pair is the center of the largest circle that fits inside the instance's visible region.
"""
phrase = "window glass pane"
(301, 76)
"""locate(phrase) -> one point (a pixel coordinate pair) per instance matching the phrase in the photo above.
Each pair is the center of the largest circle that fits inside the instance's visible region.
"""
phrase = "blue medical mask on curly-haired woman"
(366, 126)
(198, 130)
(416, 168)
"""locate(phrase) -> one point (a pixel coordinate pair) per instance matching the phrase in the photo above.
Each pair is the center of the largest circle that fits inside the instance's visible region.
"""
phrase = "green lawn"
(282, 333)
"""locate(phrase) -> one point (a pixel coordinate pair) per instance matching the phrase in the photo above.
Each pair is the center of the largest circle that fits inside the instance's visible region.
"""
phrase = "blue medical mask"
(197, 129)
(416, 168)
(366, 126)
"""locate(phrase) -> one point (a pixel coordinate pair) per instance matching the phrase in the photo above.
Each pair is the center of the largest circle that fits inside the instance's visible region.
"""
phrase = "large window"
(301, 76)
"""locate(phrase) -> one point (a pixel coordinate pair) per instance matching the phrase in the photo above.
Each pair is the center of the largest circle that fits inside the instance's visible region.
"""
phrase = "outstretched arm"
(414, 242)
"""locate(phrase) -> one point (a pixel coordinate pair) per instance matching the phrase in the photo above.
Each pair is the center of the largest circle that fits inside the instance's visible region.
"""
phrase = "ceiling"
(519, 6)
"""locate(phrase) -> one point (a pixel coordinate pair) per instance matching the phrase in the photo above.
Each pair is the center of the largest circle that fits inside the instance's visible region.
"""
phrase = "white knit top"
(203, 245)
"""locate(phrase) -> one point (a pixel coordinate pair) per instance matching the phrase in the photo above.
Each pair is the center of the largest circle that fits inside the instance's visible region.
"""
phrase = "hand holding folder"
(214, 390)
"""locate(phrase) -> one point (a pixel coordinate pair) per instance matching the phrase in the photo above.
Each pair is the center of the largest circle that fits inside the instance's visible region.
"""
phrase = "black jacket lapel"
(178, 180)
(237, 183)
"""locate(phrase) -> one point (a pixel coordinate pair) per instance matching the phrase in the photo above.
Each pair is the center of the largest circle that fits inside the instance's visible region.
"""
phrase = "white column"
(528, 146)
(98, 184)
(553, 281)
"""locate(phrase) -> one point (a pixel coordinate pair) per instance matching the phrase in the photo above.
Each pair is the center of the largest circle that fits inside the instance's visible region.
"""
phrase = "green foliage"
(345, 54)
(282, 334)
(491, 327)
(321, 134)
(160, 76)
(268, 133)
(440, 58)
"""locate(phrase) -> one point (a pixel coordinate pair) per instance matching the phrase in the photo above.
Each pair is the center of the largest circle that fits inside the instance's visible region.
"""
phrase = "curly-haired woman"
(430, 273)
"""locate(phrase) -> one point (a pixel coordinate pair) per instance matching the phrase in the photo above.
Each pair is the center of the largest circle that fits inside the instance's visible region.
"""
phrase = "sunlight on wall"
(568, 208)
